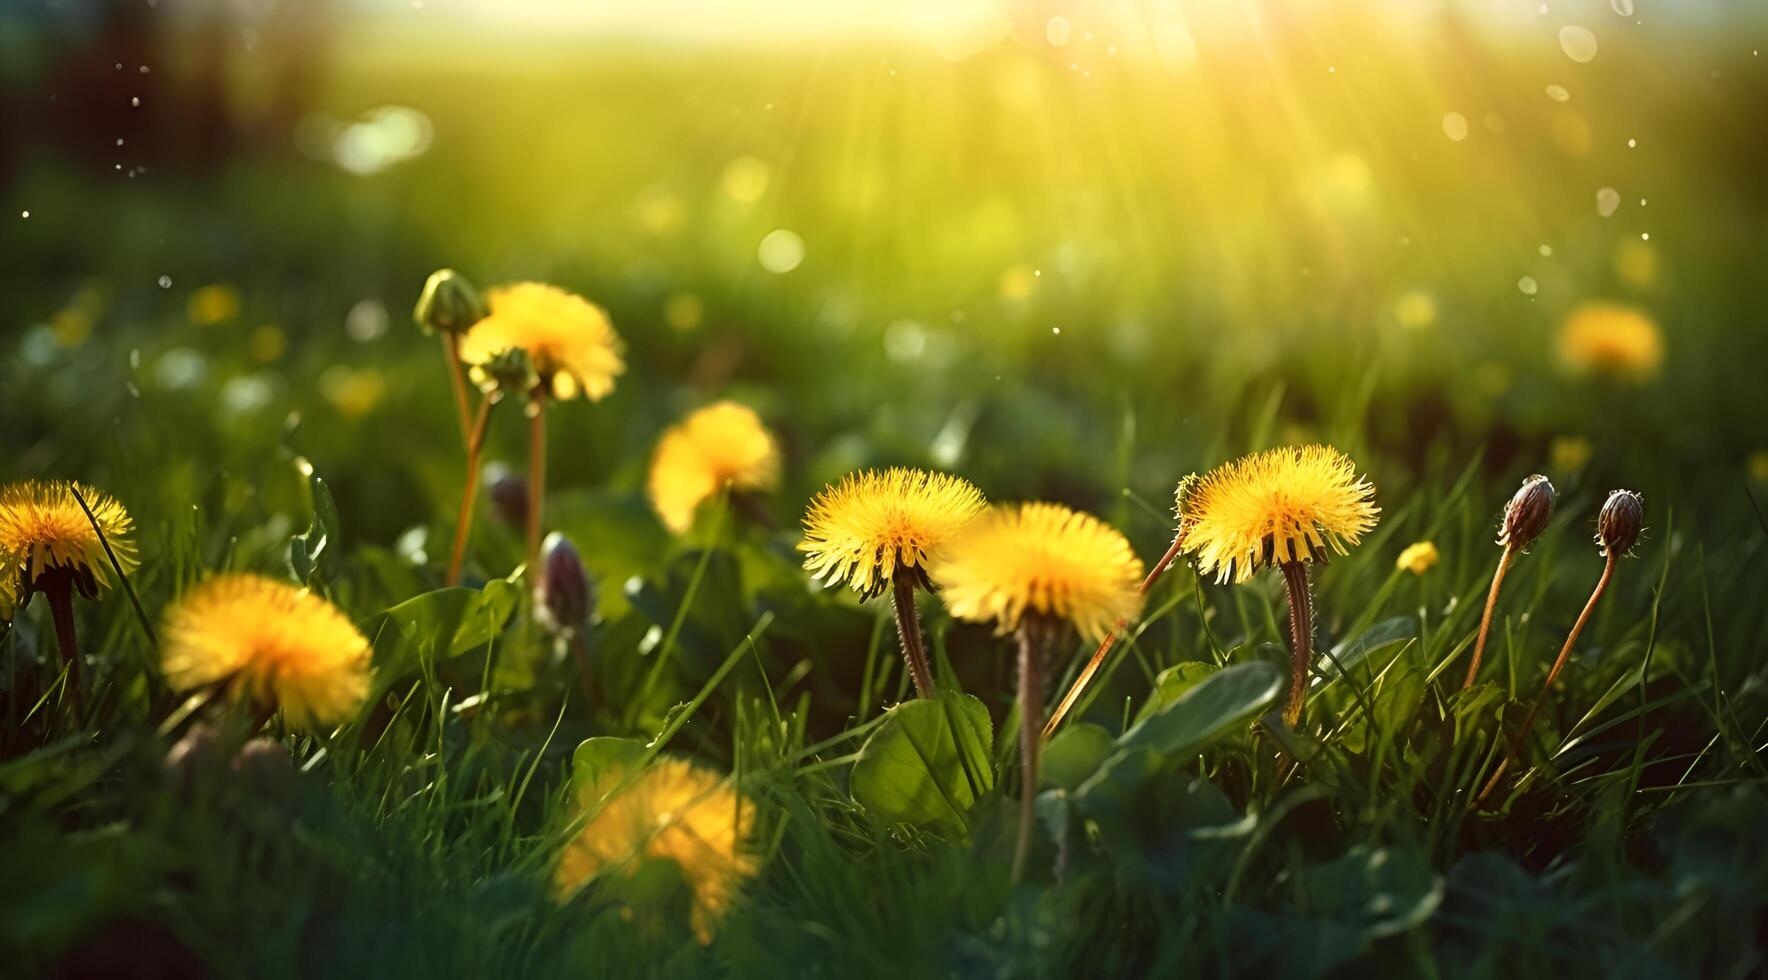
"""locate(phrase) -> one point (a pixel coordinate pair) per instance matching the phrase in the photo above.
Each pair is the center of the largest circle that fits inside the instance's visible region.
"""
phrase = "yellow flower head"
(723, 444)
(212, 304)
(1277, 506)
(569, 339)
(1043, 559)
(275, 644)
(1418, 558)
(1610, 338)
(672, 811)
(863, 530)
(43, 528)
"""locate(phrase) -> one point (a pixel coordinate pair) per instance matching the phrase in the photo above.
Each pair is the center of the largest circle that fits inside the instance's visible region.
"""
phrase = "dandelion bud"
(198, 752)
(1525, 516)
(562, 596)
(449, 303)
(1618, 526)
(508, 491)
(263, 765)
(507, 372)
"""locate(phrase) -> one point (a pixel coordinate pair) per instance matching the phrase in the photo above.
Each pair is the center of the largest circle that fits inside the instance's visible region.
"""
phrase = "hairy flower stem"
(908, 631)
(1528, 720)
(1086, 673)
(1485, 621)
(463, 524)
(1301, 638)
(457, 380)
(536, 474)
(59, 589)
(1033, 643)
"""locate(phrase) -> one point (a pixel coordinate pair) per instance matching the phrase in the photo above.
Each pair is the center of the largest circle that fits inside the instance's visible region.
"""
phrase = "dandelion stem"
(1528, 721)
(1032, 641)
(908, 631)
(1301, 638)
(1485, 621)
(582, 657)
(457, 381)
(463, 524)
(536, 472)
(59, 589)
(1105, 645)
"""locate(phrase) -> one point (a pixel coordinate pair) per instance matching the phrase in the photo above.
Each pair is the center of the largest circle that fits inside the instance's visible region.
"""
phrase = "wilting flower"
(1278, 506)
(271, 643)
(1418, 558)
(721, 445)
(570, 340)
(864, 529)
(1040, 558)
(43, 529)
(1619, 523)
(672, 811)
(1611, 338)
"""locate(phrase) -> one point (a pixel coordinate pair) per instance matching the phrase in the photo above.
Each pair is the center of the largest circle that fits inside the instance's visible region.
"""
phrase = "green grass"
(419, 839)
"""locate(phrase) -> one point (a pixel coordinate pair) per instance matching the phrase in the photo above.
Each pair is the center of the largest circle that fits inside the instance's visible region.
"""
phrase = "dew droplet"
(165, 282)
(1608, 201)
(1577, 43)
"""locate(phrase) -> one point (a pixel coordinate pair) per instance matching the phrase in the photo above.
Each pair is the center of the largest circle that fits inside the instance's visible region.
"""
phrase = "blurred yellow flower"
(1569, 453)
(1757, 465)
(273, 644)
(354, 392)
(212, 304)
(723, 444)
(1415, 309)
(1017, 282)
(683, 311)
(1043, 559)
(1418, 558)
(43, 528)
(673, 811)
(871, 524)
(267, 343)
(1278, 506)
(745, 179)
(1611, 338)
(569, 339)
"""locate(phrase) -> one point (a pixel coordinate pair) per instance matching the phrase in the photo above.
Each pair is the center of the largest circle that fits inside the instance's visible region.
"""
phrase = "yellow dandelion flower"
(213, 304)
(1281, 505)
(43, 529)
(273, 644)
(721, 445)
(672, 811)
(570, 340)
(1418, 558)
(871, 524)
(1611, 338)
(1040, 558)
(1570, 453)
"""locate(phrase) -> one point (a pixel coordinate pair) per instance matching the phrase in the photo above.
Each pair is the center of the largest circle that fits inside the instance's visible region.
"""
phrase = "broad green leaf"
(601, 757)
(316, 550)
(1074, 754)
(928, 763)
(439, 625)
(1378, 891)
(1173, 682)
(1357, 649)
(1219, 703)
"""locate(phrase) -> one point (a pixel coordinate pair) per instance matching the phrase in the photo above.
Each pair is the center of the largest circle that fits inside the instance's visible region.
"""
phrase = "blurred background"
(1063, 247)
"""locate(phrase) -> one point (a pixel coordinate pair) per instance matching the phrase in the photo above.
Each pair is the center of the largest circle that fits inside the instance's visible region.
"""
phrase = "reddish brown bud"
(1619, 523)
(1525, 516)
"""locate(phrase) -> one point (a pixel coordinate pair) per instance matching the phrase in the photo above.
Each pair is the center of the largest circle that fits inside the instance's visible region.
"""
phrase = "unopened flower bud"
(1619, 523)
(1525, 516)
(448, 303)
(264, 766)
(508, 491)
(508, 372)
(562, 596)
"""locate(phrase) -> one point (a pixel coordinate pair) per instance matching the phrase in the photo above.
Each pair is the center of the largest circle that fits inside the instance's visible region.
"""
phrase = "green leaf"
(928, 763)
(597, 758)
(1074, 755)
(438, 625)
(1219, 703)
(1173, 682)
(1378, 891)
(1357, 649)
(316, 550)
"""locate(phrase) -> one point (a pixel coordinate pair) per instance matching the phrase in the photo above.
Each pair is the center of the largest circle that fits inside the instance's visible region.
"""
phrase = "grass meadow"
(1068, 262)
